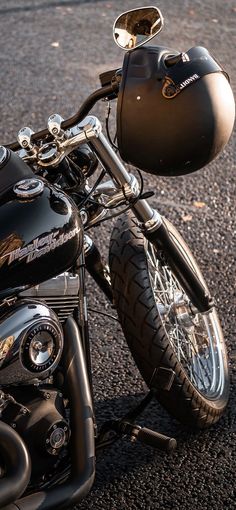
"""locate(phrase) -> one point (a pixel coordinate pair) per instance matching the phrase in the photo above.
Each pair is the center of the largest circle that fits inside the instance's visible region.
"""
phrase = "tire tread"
(144, 330)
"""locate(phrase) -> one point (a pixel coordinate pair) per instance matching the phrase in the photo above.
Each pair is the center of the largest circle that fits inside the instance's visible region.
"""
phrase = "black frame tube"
(82, 434)
(82, 319)
(95, 267)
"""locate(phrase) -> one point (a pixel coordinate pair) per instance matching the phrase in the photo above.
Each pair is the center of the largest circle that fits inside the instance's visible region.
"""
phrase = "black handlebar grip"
(156, 440)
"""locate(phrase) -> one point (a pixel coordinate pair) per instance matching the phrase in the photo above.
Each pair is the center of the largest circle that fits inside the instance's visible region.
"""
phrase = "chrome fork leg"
(119, 174)
(154, 227)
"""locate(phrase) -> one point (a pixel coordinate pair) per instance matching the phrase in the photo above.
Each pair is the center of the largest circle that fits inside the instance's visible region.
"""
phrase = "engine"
(39, 416)
(59, 293)
(31, 344)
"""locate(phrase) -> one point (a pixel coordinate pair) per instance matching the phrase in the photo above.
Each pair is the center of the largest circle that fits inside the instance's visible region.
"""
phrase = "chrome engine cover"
(31, 343)
(59, 293)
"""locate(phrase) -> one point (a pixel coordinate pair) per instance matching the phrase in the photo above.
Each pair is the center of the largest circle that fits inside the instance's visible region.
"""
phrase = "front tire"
(164, 331)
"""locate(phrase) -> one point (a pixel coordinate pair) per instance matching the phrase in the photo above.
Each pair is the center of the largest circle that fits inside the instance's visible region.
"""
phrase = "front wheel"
(165, 332)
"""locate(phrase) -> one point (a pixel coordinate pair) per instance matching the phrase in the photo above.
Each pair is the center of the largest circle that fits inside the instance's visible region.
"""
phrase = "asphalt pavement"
(51, 54)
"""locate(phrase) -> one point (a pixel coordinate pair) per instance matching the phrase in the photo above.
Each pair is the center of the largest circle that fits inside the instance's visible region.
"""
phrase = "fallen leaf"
(187, 217)
(199, 204)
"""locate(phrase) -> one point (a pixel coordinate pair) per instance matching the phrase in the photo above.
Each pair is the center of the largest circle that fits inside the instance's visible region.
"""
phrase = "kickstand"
(112, 430)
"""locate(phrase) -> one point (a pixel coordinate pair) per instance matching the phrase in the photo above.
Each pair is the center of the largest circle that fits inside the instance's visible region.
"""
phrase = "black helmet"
(175, 110)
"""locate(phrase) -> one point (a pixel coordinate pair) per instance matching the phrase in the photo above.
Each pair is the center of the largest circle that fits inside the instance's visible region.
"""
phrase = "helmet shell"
(173, 119)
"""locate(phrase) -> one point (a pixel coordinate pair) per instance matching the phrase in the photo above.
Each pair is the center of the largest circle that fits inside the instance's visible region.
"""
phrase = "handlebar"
(105, 91)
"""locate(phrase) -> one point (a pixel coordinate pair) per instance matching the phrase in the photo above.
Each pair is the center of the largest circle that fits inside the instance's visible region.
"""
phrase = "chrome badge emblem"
(28, 188)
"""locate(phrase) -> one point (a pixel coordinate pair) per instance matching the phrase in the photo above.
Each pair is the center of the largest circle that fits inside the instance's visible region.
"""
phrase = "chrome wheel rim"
(196, 338)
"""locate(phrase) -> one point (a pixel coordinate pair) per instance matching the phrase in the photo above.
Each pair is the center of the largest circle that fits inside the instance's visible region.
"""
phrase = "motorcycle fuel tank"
(41, 233)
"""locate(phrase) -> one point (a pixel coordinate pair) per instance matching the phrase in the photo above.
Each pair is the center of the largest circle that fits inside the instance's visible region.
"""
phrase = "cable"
(103, 313)
(107, 218)
(133, 202)
(83, 202)
(112, 142)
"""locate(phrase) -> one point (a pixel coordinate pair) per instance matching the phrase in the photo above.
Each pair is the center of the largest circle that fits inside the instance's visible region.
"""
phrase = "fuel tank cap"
(28, 188)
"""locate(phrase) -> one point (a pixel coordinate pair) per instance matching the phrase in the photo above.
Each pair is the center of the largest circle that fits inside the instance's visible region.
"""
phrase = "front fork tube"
(153, 227)
(195, 290)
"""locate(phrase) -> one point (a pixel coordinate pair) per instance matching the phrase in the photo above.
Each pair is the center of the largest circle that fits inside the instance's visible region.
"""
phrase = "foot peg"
(126, 427)
(148, 436)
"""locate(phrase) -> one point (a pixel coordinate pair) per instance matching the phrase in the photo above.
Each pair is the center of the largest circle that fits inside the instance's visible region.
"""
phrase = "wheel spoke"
(193, 338)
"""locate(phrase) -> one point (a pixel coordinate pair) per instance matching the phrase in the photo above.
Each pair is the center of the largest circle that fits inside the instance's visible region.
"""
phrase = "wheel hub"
(178, 309)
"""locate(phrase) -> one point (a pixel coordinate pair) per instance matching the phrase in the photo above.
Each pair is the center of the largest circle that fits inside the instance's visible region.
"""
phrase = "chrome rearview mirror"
(134, 28)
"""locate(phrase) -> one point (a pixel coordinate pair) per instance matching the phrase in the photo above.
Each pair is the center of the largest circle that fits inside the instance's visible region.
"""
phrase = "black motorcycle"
(175, 113)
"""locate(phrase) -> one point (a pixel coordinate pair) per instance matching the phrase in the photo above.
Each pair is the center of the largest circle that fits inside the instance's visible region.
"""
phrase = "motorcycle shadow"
(125, 458)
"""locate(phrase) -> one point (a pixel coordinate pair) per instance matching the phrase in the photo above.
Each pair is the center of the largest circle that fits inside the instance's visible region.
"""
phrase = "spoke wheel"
(167, 336)
(193, 336)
